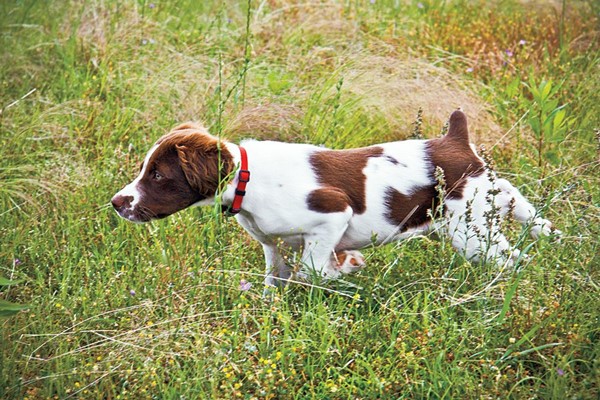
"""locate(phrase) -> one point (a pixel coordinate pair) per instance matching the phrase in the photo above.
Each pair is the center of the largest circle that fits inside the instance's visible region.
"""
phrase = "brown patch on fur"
(191, 165)
(454, 155)
(409, 211)
(340, 172)
(204, 160)
(341, 259)
(328, 200)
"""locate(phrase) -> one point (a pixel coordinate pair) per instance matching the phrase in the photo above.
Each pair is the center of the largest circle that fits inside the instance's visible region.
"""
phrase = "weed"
(548, 121)
(174, 309)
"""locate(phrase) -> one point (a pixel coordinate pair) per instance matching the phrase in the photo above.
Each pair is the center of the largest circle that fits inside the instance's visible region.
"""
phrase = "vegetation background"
(173, 309)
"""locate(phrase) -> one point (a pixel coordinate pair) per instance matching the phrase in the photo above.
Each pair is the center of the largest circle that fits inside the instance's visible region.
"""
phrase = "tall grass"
(174, 309)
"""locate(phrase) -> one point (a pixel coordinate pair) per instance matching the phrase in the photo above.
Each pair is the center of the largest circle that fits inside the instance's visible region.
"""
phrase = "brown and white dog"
(330, 203)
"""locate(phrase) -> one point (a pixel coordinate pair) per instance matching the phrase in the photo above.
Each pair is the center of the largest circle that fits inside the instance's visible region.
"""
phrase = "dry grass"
(391, 87)
(397, 87)
(159, 310)
(266, 121)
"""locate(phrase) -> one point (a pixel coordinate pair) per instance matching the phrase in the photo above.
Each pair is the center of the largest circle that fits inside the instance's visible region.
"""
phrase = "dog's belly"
(361, 236)
(291, 236)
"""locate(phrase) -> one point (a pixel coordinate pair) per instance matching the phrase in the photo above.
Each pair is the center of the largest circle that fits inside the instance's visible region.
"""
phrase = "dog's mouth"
(140, 217)
(135, 216)
(139, 213)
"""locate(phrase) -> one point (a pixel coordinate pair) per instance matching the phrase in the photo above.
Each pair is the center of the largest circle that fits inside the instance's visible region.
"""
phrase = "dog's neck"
(228, 196)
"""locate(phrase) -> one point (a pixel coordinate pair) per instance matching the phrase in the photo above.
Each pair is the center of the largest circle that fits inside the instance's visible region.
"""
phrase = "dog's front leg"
(277, 272)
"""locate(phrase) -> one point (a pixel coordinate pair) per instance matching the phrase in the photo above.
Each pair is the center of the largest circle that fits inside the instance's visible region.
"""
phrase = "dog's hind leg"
(511, 200)
(477, 242)
(474, 223)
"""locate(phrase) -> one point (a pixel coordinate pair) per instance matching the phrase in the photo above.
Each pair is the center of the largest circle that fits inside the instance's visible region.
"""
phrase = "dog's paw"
(543, 227)
(348, 261)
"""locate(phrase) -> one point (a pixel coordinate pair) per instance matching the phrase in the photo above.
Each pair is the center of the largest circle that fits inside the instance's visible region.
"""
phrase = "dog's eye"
(156, 175)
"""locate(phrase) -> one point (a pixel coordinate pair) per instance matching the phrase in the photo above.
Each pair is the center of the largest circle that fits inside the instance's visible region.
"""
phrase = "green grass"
(118, 310)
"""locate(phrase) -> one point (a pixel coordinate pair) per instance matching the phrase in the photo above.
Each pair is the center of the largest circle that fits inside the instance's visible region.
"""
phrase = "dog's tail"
(458, 130)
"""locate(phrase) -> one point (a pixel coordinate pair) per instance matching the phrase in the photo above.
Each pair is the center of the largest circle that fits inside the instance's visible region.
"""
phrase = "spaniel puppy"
(330, 203)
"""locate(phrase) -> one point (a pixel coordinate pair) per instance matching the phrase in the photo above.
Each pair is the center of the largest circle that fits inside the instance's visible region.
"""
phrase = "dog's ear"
(205, 163)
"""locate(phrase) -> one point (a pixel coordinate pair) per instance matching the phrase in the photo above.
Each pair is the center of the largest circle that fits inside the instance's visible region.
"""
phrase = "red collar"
(243, 179)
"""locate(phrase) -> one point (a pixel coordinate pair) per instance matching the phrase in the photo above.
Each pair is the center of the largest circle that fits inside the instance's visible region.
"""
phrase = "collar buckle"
(244, 176)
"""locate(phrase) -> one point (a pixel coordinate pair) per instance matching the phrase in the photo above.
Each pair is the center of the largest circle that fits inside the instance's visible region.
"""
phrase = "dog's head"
(184, 167)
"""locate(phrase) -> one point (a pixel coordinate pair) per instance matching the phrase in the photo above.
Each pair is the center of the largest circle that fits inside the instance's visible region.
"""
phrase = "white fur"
(275, 211)
(132, 189)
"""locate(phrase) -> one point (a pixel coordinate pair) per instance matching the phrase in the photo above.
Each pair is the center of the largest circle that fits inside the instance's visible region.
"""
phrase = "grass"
(118, 310)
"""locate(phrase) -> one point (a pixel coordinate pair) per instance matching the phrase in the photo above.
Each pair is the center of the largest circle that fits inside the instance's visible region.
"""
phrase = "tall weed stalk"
(548, 120)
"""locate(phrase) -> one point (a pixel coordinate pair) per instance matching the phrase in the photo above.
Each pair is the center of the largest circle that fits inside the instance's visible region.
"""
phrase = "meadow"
(174, 309)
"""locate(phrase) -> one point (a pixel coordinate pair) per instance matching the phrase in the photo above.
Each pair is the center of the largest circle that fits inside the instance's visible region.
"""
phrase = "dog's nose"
(119, 201)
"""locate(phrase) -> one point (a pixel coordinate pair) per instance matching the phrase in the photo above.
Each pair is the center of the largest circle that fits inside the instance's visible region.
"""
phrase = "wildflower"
(420, 5)
(132, 292)
(250, 347)
(560, 371)
(470, 69)
(508, 52)
(151, 5)
(245, 285)
(512, 340)
(17, 262)
(372, 1)
(522, 42)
